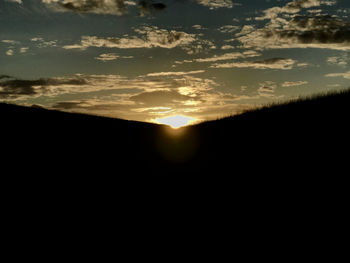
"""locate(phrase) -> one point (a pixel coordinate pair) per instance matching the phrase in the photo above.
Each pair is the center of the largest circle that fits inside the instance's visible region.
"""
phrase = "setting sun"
(176, 121)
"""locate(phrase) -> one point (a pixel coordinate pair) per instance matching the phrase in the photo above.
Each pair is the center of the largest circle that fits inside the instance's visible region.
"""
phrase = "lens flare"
(176, 121)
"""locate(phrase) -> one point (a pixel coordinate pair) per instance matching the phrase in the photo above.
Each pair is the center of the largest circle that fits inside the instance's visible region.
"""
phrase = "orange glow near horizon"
(176, 122)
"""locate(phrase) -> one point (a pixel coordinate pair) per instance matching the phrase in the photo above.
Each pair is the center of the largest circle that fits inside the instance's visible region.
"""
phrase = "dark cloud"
(324, 29)
(4, 77)
(12, 88)
(270, 61)
(15, 88)
(147, 7)
(117, 7)
(105, 108)
(92, 6)
(68, 105)
(302, 32)
(156, 98)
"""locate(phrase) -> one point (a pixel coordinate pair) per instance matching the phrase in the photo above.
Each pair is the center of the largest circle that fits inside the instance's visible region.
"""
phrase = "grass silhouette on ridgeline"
(309, 135)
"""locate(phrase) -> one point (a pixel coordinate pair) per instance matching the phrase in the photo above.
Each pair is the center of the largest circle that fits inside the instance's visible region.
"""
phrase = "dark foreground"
(278, 173)
(286, 142)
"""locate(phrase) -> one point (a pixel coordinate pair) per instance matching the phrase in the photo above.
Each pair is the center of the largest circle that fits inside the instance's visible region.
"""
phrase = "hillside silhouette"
(306, 136)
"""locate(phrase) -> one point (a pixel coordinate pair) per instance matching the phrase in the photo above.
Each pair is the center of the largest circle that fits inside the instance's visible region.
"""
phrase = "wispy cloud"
(288, 29)
(42, 43)
(174, 73)
(15, 1)
(23, 50)
(228, 28)
(294, 83)
(267, 89)
(10, 42)
(10, 52)
(115, 7)
(273, 63)
(246, 29)
(13, 47)
(339, 61)
(229, 56)
(111, 56)
(147, 37)
(345, 75)
(226, 47)
(215, 4)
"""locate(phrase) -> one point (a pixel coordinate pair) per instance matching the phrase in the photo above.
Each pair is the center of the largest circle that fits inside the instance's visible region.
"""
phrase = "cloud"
(13, 46)
(172, 73)
(288, 29)
(112, 107)
(293, 7)
(110, 56)
(5, 77)
(228, 28)
(215, 4)
(15, 1)
(68, 105)
(345, 75)
(147, 7)
(273, 63)
(111, 7)
(267, 89)
(20, 89)
(148, 37)
(230, 56)
(106, 7)
(339, 61)
(294, 83)
(23, 50)
(153, 98)
(246, 29)
(13, 88)
(198, 27)
(10, 42)
(226, 47)
(42, 43)
(120, 7)
(301, 32)
(160, 98)
(107, 57)
(10, 52)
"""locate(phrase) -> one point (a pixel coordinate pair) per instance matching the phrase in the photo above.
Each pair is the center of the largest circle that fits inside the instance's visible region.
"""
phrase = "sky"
(149, 60)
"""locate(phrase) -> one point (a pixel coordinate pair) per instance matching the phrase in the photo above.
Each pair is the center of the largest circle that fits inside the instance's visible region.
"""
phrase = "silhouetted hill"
(280, 167)
(284, 141)
(303, 136)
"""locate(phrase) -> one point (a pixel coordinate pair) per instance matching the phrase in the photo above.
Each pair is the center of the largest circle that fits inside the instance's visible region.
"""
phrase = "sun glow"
(176, 121)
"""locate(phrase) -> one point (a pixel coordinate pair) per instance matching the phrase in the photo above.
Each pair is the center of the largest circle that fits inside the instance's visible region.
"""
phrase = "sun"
(176, 121)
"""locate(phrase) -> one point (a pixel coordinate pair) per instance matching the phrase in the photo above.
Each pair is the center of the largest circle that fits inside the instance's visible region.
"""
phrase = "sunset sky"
(146, 60)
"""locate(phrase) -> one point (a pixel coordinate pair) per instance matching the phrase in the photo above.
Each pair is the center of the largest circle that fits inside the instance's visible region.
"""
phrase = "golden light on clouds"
(153, 63)
(176, 121)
